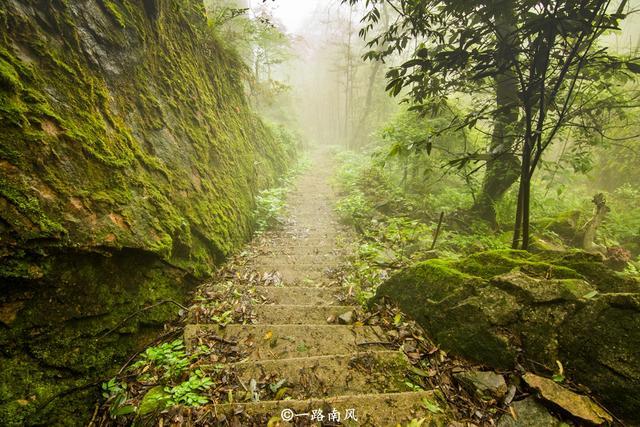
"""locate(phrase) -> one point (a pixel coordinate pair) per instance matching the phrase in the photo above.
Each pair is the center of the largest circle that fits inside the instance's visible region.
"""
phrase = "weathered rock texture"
(129, 159)
(506, 307)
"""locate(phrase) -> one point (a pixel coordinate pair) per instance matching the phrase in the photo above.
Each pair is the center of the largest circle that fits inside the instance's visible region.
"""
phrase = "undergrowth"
(397, 220)
(166, 367)
(271, 202)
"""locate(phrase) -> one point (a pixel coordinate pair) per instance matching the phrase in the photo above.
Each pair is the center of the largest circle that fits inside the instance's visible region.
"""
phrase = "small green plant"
(223, 319)
(115, 393)
(170, 359)
(270, 205)
(189, 393)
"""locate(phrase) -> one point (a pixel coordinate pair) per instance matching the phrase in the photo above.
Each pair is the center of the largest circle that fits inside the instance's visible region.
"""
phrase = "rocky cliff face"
(129, 158)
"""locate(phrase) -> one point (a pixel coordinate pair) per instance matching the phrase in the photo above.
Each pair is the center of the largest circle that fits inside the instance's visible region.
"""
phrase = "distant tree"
(258, 38)
(535, 56)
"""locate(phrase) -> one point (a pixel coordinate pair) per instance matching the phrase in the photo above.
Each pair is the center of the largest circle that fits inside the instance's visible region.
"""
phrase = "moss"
(115, 12)
(70, 341)
(466, 324)
(592, 268)
(493, 263)
(434, 279)
(132, 165)
(31, 208)
(9, 79)
(602, 342)
(565, 225)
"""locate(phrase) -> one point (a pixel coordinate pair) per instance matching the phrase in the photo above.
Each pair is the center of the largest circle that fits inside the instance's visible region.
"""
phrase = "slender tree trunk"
(517, 227)
(524, 193)
(349, 83)
(367, 105)
(502, 168)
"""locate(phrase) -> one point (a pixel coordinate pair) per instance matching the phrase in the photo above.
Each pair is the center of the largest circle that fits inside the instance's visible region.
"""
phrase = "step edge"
(401, 394)
(310, 358)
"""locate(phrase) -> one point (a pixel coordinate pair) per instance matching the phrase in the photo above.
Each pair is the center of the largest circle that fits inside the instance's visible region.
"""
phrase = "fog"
(336, 97)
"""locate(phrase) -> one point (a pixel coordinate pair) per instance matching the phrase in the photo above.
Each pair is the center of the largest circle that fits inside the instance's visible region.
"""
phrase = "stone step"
(298, 295)
(300, 253)
(297, 240)
(326, 376)
(264, 342)
(297, 274)
(297, 249)
(311, 238)
(298, 314)
(303, 221)
(281, 242)
(384, 409)
(319, 201)
(321, 261)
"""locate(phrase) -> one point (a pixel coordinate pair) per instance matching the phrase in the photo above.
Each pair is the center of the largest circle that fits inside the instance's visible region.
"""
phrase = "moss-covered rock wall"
(129, 159)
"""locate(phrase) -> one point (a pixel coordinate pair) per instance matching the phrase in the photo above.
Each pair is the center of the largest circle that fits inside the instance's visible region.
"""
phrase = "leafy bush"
(163, 367)
(270, 205)
(353, 208)
(170, 359)
(188, 393)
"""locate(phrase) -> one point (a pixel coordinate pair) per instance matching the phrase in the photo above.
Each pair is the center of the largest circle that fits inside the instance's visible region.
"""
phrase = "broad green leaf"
(431, 406)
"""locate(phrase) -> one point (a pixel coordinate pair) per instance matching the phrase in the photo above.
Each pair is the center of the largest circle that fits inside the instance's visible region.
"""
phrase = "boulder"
(496, 306)
(566, 225)
(346, 318)
(601, 343)
(528, 413)
(577, 405)
(486, 385)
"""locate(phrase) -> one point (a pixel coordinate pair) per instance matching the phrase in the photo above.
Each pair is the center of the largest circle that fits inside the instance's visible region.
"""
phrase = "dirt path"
(295, 350)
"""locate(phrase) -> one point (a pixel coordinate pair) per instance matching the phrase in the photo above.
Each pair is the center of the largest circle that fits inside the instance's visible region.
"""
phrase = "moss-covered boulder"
(129, 161)
(503, 308)
(458, 309)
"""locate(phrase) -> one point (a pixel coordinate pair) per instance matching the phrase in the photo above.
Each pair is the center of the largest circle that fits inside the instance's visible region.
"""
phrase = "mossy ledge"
(129, 162)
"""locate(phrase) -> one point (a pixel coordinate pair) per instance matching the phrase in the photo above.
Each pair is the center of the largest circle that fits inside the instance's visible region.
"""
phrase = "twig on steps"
(222, 340)
(385, 343)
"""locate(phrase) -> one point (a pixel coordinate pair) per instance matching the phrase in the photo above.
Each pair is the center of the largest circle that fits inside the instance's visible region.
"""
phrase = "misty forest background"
(430, 121)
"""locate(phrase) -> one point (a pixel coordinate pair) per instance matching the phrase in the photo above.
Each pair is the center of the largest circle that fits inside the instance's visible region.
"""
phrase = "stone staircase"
(336, 371)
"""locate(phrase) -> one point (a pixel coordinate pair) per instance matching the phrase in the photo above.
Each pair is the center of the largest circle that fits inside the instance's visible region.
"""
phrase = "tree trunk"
(357, 134)
(523, 209)
(502, 168)
(517, 227)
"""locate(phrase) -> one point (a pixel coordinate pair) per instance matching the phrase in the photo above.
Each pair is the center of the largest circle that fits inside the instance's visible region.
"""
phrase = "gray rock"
(529, 413)
(579, 406)
(346, 318)
(495, 306)
(485, 385)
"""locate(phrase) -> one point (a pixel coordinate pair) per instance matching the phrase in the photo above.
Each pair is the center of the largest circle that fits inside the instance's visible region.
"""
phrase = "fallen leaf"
(431, 406)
